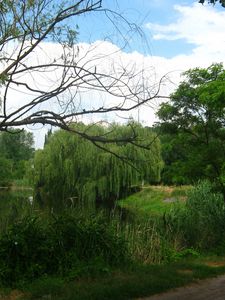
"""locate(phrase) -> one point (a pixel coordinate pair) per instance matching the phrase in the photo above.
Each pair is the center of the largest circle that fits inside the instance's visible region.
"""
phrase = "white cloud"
(102, 57)
(202, 26)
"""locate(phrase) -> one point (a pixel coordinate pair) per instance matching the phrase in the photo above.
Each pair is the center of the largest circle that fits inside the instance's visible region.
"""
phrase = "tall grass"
(66, 244)
(13, 206)
(187, 228)
(200, 223)
(144, 241)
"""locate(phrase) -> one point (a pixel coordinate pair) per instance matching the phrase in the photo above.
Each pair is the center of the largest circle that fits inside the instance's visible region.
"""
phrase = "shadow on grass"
(136, 281)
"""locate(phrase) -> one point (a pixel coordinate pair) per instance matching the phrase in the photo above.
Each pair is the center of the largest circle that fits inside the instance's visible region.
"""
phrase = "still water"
(15, 204)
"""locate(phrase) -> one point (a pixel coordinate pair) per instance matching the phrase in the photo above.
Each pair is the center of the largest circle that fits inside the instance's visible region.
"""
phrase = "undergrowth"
(67, 244)
(77, 244)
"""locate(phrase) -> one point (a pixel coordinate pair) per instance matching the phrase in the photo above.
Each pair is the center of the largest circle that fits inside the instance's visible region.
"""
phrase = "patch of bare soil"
(215, 264)
(169, 200)
(14, 295)
(166, 189)
(186, 272)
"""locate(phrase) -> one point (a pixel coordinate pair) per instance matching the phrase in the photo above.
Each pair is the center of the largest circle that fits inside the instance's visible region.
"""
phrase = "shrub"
(33, 247)
(200, 223)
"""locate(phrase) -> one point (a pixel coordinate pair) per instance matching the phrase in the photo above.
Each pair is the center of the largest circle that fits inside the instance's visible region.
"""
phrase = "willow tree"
(70, 167)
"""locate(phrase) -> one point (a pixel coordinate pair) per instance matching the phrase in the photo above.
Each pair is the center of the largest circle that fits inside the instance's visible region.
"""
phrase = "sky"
(171, 36)
(170, 27)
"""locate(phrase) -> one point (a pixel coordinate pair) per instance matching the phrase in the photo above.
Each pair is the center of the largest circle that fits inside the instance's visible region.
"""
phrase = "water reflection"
(10, 195)
(15, 204)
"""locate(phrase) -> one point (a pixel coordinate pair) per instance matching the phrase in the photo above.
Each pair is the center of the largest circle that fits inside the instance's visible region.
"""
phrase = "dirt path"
(209, 289)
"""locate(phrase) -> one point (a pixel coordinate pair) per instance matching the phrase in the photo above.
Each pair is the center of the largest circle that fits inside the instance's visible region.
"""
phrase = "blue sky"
(142, 12)
(175, 36)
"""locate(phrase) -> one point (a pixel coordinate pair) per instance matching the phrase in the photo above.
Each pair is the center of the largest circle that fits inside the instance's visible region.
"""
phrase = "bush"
(23, 249)
(32, 248)
(201, 222)
(46, 287)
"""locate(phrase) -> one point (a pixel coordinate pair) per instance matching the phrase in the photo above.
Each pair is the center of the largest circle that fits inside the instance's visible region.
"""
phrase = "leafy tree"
(26, 27)
(5, 171)
(70, 166)
(17, 145)
(16, 148)
(173, 152)
(222, 2)
(194, 122)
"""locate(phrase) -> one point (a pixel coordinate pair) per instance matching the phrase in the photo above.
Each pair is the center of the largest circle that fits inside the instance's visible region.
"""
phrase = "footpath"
(208, 289)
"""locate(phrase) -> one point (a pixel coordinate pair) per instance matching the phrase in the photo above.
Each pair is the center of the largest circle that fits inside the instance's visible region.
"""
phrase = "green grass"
(154, 199)
(136, 281)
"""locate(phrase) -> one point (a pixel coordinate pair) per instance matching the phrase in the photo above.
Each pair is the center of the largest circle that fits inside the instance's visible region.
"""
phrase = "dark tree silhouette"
(222, 2)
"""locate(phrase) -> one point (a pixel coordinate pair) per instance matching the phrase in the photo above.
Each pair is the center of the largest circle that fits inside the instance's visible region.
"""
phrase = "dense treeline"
(192, 129)
(16, 149)
(72, 167)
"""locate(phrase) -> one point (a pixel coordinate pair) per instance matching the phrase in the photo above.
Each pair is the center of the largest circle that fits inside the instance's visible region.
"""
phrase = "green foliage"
(177, 170)
(146, 242)
(14, 205)
(73, 169)
(222, 2)
(16, 149)
(158, 233)
(17, 145)
(5, 171)
(67, 244)
(46, 286)
(14, 29)
(192, 128)
(200, 223)
(187, 253)
(76, 245)
(146, 234)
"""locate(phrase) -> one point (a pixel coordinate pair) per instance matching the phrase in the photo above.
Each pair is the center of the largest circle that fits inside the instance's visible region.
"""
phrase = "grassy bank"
(154, 199)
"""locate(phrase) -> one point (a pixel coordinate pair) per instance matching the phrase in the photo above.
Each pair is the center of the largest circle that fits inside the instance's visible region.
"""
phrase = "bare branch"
(55, 87)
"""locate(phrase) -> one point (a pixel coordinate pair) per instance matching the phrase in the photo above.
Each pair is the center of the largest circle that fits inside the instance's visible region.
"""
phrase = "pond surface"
(16, 203)
(7, 197)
